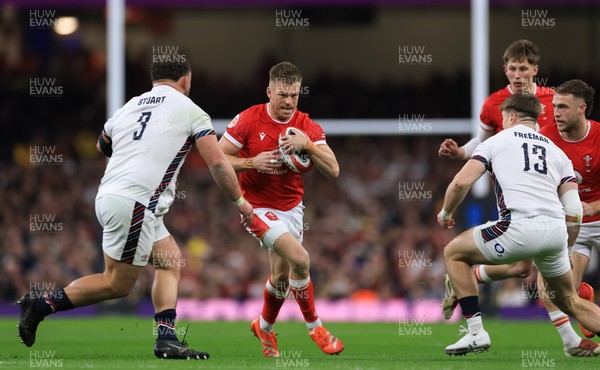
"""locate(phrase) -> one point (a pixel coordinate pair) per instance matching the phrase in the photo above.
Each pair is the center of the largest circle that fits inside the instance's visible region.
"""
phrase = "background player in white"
(147, 141)
(252, 144)
(579, 138)
(520, 67)
(535, 188)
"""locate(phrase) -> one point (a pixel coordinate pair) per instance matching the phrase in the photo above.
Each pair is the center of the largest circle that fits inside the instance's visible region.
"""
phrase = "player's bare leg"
(291, 251)
(167, 263)
(580, 263)
(520, 269)
(573, 344)
(486, 274)
(274, 295)
(571, 341)
(460, 254)
(116, 281)
(562, 293)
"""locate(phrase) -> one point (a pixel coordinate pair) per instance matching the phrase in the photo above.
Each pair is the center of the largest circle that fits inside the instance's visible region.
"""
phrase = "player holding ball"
(255, 141)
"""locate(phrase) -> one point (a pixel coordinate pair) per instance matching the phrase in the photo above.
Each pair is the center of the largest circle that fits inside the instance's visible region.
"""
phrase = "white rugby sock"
(563, 326)
(265, 325)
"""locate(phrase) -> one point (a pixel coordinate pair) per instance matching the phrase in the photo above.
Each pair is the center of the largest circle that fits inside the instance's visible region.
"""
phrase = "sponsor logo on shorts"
(499, 249)
(271, 216)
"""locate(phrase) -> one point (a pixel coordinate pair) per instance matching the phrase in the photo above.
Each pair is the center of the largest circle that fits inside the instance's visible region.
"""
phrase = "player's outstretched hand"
(267, 161)
(450, 149)
(446, 223)
(247, 212)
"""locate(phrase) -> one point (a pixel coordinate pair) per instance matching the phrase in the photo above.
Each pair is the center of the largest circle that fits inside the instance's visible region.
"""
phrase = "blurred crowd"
(371, 233)
(354, 226)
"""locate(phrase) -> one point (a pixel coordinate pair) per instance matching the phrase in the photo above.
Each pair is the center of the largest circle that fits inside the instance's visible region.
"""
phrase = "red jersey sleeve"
(545, 95)
(487, 116)
(237, 131)
(314, 131)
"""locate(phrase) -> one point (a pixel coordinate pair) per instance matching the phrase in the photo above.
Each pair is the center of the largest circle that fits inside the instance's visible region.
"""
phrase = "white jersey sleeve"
(151, 136)
(110, 124)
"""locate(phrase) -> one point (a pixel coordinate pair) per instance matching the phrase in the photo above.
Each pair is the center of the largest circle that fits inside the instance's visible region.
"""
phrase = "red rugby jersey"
(491, 117)
(254, 131)
(585, 155)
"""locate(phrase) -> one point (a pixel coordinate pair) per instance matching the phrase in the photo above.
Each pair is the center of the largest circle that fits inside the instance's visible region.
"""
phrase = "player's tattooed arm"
(265, 161)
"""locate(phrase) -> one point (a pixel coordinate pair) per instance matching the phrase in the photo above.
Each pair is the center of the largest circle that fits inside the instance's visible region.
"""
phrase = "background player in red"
(520, 66)
(579, 138)
(252, 143)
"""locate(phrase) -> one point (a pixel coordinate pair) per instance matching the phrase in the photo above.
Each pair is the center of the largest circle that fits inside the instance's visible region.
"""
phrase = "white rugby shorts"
(540, 238)
(129, 229)
(269, 224)
(588, 238)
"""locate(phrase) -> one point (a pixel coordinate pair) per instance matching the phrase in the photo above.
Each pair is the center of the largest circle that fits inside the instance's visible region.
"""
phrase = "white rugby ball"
(297, 161)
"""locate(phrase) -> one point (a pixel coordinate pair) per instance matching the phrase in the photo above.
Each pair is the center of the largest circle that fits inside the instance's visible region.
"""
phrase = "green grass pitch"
(126, 343)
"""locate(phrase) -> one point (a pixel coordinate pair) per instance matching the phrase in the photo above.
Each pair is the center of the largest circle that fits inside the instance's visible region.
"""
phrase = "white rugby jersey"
(526, 169)
(151, 135)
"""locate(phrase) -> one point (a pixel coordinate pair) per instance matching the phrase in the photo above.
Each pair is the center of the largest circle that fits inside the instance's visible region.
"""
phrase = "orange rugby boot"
(267, 340)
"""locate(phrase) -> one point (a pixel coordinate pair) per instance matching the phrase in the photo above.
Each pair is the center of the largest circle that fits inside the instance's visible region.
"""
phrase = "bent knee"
(120, 287)
(451, 252)
(300, 262)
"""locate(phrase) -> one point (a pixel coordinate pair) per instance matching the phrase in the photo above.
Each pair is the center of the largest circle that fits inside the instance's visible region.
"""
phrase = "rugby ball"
(297, 161)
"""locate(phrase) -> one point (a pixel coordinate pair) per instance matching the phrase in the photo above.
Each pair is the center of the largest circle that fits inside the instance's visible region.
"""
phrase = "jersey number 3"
(144, 118)
(539, 165)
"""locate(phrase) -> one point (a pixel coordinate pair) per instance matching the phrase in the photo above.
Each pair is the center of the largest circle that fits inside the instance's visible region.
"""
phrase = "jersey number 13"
(538, 154)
